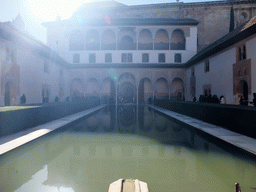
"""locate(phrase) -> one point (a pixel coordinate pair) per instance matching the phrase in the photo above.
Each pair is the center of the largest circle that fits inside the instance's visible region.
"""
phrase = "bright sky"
(34, 12)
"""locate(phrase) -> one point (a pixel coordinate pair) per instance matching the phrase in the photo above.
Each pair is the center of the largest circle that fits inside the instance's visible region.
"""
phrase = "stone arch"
(77, 88)
(127, 39)
(7, 93)
(177, 88)
(161, 88)
(242, 88)
(127, 43)
(145, 90)
(93, 88)
(76, 41)
(46, 93)
(178, 40)
(108, 90)
(61, 93)
(92, 40)
(108, 41)
(161, 40)
(145, 40)
(126, 88)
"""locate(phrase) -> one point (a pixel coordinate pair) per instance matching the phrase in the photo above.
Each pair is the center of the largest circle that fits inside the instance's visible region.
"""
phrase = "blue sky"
(10, 8)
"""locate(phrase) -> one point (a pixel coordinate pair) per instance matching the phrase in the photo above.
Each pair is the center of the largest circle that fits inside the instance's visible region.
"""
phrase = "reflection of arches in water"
(93, 122)
(127, 119)
(161, 122)
(108, 119)
(176, 127)
(145, 119)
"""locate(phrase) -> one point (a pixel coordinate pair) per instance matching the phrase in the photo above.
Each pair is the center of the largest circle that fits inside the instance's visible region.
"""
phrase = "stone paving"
(246, 143)
(9, 142)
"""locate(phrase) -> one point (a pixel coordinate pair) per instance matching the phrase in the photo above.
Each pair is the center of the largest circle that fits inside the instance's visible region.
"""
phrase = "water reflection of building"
(90, 162)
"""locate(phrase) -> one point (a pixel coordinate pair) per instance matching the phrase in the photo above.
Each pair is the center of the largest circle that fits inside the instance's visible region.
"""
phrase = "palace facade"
(126, 53)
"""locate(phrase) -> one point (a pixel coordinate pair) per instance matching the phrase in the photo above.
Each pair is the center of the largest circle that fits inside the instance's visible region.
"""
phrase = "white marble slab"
(246, 143)
(9, 142)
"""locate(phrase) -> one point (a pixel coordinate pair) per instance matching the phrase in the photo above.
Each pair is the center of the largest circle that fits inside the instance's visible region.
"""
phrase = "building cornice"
(125, 65)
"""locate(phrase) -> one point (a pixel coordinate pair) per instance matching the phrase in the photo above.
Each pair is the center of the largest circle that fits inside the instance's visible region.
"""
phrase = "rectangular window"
(206, 66)
(129, 57)
(92, 58)
(108, 58)
(161, 58)
(177, 58)
(145, 58)
(126, 57)
(241, 53)
(76, 58)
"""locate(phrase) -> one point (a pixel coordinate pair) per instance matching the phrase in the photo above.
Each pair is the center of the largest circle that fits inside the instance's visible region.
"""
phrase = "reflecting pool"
(131, 142)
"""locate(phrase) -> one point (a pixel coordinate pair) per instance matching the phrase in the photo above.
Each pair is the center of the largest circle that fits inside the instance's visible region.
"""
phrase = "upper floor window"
(177, 58)
(76, 58)
(92, 58)
(161, 58)
(206, 66)
(192, 71)
(126, 57)
(108, 58)
(145, 57)
(241, 53)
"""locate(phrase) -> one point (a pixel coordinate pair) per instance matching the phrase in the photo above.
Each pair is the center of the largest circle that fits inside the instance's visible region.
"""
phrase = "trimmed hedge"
(236, 118)
(18, 120)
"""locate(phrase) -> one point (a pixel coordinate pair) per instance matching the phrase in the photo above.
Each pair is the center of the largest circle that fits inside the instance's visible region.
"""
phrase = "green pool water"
(131, 142)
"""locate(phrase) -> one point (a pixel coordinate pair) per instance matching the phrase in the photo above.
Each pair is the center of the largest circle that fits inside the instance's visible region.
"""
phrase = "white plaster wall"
(191, 42)
(220, 76)
(250, 51)
(31, 68)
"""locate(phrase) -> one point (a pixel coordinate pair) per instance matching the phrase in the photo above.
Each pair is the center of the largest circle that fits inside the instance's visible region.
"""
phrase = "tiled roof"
(243, 31)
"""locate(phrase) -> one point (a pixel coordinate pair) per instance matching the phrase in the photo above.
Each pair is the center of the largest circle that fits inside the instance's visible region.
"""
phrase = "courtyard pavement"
(246, 143)
(10, 142)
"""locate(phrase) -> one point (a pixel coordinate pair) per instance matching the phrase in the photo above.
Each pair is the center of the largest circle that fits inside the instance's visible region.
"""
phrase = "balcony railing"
(145, 46)
(161, 46)
(110, 46)
(130, 46)
(177, 46)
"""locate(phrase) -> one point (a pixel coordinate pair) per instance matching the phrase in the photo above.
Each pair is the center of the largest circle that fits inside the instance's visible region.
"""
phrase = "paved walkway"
(9, 142)
(236, 139)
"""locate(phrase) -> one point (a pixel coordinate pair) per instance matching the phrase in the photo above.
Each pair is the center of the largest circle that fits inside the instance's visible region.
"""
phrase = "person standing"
(23, 99)
(254, 100)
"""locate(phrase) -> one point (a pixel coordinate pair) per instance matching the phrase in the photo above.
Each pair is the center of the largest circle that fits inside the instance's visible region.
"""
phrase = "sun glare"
(48, 10)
